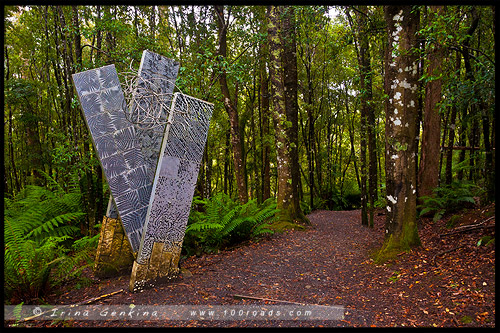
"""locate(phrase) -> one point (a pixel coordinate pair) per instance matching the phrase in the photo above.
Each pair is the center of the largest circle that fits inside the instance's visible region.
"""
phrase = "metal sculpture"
(149, 142)
(173, 189)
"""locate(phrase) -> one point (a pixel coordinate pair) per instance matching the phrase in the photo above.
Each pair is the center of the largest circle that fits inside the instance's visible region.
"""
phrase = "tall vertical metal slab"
(116, 143)
(173, 188)
(127, 150)
(156, 74)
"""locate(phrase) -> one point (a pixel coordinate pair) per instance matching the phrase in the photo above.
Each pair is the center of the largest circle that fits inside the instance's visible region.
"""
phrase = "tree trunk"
(351, 138)
(110, 45)
(401, 86)
(266, 135)
(226, 165)
(470, 76)
(428, 173)
(365, 81)
(152, 24)
(16, 187)
(368, 161)
(34, 144)
(77, 38)
(98, 37)
(310, 133)
(285, 201)
(451, 131)
(372, 140)
(230, 105)
(265, 114)
(289, 58)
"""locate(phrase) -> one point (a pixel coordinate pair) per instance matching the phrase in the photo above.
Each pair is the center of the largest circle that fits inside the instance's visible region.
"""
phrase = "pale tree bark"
(289, 210)
(428, 173)
(401, 86)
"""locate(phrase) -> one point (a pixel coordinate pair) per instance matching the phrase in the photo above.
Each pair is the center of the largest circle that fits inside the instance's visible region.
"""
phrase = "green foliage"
(486, 240)
(452, 221)
(337, 201)
(305, 207)
(466, 319)
(394, 277)
(220, 222)
(39, 225)
(39, 99)
(448, 198)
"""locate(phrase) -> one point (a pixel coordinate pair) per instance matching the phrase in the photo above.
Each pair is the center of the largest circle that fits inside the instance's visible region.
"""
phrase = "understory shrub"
(449, 198)
(40, 228)
(219, 222)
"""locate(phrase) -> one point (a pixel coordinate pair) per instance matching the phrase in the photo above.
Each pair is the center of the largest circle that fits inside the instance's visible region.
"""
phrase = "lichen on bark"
(401, 221)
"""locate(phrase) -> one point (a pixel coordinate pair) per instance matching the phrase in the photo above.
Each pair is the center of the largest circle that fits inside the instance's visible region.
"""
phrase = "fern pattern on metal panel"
(151, 177)
(128, 153)
(159, 73)
(176, 175)
(103, 104)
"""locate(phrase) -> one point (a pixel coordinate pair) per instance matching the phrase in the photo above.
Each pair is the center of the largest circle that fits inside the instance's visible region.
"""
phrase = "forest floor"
(447, 282)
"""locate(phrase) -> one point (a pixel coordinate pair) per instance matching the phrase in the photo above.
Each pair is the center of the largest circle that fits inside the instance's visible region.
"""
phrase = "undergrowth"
(448, 199)
(40, 228)
(219, 222)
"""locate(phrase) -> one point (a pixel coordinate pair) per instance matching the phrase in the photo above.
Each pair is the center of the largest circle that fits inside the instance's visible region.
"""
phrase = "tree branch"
(466, 228)
(444, 252)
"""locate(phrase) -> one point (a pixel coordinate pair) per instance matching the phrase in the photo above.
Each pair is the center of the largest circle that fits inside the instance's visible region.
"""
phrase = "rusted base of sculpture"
(163, 265)
(114, 253)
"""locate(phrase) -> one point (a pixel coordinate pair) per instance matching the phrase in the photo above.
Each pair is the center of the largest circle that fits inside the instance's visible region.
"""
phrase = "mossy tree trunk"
(290, 81)
(401, 86)
(287, 201)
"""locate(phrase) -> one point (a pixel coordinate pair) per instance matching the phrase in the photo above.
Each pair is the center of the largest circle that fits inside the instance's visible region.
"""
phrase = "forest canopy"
(340, 130)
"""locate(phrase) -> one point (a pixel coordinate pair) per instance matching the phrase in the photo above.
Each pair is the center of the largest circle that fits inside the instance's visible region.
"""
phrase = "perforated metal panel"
(173, 188)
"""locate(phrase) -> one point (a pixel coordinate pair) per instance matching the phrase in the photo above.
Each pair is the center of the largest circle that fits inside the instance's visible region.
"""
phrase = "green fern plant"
(448, 198)
(223, 222)
(39, 226)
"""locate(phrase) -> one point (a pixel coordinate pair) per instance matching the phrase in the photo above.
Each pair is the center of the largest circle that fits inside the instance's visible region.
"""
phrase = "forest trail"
(328, 264)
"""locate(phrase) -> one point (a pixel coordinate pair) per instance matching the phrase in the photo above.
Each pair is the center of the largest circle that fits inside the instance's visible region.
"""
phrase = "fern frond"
(37, 222)
(261, 229)
(53, 185)
(86, 242)
(201, 226)
(74, 183)
(427, 210)
(234, 224)
(7, 202)
(197, 200)
(54, 226)
(229, 216)
(438, 215)
(265, 214)
(268, 202)
(249, 207)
